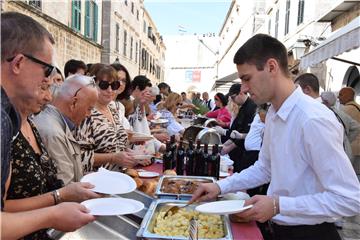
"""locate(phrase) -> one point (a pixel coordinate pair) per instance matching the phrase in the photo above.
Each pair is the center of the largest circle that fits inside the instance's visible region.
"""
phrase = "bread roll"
(132, 173)
(149, 187)
(139, 182)
(170, 172)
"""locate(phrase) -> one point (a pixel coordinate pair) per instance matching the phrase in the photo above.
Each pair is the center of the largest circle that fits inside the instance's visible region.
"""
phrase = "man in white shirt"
(209, 103)
(312, 182)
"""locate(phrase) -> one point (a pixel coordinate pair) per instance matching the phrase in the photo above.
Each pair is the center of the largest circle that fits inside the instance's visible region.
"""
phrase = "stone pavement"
(351, 228)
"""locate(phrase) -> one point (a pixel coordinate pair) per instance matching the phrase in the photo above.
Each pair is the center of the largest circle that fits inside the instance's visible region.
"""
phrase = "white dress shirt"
(253, 139)
(303, 157)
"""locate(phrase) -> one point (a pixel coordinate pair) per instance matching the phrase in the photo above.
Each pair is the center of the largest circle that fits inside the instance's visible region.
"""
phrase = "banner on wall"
(193, 75)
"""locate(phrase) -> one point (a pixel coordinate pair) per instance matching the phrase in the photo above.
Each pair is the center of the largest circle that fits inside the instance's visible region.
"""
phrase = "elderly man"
(74, 100)
(347, 98)
(26, 68)
(312, 182)
(209, 103)
(351, 126)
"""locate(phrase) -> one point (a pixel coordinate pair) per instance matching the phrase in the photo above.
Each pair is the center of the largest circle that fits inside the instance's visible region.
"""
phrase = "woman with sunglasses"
(103, 137)
(168, 111)
(222, 114)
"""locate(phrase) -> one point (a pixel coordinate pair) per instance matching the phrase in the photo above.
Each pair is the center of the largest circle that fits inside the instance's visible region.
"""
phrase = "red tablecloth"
(240, 231)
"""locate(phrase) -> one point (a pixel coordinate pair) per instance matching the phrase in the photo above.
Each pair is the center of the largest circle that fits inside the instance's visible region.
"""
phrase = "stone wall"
(345, 18)
(69, 44)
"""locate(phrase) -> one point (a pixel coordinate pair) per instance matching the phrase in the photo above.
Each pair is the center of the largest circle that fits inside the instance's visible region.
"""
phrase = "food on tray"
(149, 187)
(210, 226)
(139, 182)
(170, 172)
(178, 186)
(132, 173)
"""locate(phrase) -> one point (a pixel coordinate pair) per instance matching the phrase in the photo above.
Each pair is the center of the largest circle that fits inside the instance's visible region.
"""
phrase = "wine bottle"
(167, 157)
(190, 159)
(173, 150)
(214, 162)
(198, 155)
(204, 161)
(180, 156)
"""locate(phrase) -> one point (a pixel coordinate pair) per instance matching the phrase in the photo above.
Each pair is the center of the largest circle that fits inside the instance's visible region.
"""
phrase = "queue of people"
(294, 155)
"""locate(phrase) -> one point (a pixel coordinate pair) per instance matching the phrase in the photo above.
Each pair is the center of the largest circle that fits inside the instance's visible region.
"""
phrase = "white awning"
(343, 40)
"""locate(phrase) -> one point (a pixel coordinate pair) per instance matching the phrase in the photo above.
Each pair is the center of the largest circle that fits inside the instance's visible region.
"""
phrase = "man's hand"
(220, 130)
(162, 137)
(68, 217)
(228, 146)
(77, 192)
(205, 192)
(236, 135)
(124, 159)
(262, 210)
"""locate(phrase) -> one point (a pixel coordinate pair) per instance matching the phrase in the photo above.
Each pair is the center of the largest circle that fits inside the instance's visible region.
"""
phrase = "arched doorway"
(352, 79)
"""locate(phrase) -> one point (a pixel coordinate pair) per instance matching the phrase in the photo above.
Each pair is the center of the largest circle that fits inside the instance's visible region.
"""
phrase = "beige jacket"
(60, 143)
(353, 109)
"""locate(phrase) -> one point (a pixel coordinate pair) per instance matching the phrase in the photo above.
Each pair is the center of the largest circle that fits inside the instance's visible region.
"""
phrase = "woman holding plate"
(102, 137)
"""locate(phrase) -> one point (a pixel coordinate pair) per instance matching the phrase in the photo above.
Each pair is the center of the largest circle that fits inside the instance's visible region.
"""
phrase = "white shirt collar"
(287, 105)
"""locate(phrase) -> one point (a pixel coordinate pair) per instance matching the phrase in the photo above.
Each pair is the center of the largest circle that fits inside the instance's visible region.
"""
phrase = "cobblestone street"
(351, 228)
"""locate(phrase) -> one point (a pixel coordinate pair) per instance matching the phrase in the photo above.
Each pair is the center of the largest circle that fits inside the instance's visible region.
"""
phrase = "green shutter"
(76, 15)
(95, 22)
(87, 19)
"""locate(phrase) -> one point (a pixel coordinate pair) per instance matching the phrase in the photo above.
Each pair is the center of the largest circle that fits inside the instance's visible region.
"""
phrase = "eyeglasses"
(179, 104)
(91, 83)
(49, 70)
(103, 85)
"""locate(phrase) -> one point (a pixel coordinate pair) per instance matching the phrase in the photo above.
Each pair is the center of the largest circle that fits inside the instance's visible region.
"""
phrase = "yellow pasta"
(209, 226)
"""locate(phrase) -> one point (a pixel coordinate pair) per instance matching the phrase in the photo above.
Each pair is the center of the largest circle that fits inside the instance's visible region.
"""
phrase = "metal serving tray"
(183, 196)
(148, 223)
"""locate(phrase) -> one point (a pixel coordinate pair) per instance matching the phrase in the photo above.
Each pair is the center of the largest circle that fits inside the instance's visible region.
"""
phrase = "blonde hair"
(170, 102)
(233, 108)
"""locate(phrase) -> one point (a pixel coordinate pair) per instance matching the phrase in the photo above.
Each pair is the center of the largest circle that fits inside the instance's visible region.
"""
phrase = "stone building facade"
(130, 36)
(58, 18)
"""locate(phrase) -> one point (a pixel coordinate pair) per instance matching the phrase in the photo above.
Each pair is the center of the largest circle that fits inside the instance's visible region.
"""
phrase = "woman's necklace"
(26, 131)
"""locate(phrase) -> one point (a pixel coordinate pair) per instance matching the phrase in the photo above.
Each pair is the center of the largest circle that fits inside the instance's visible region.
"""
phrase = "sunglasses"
(103, 85)
(49, 70)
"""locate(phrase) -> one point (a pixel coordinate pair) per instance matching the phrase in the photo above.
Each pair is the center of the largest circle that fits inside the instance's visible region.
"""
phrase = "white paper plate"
(223, 207)
(224, 174)
(146, 174)
(110, 182)
(159, 121)
(112, 206)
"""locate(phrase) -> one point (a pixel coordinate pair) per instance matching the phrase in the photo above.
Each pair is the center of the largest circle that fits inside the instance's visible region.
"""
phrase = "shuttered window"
(91, 20)
(76, 15)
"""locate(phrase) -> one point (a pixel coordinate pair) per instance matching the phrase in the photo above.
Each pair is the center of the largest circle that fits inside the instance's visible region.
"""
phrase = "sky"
(174, 17)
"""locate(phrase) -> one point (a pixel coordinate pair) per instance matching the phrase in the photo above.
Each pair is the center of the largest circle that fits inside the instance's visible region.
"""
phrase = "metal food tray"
(148, 223)
(183, 196)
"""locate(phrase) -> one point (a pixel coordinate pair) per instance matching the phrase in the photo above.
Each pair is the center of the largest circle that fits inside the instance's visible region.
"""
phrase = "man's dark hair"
(183, 93)
(308, 79)
(127, 92)
(260, 48)
(164, 85)
(158, 98)
(141, 82)
(21, 34)
(72, 66)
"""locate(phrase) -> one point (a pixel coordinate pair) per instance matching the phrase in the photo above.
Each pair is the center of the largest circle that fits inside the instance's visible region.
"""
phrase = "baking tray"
(148, 223)
(160, 194)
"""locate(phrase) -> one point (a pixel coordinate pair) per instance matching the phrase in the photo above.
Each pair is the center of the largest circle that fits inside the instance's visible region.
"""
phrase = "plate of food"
(112, 206)
(223, 207)
(110, 182)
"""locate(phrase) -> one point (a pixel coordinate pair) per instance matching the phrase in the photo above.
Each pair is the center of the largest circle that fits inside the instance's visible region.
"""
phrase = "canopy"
(343, 40)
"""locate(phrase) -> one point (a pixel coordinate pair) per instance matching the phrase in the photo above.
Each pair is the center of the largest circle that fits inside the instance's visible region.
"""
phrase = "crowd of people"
(294, 154)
